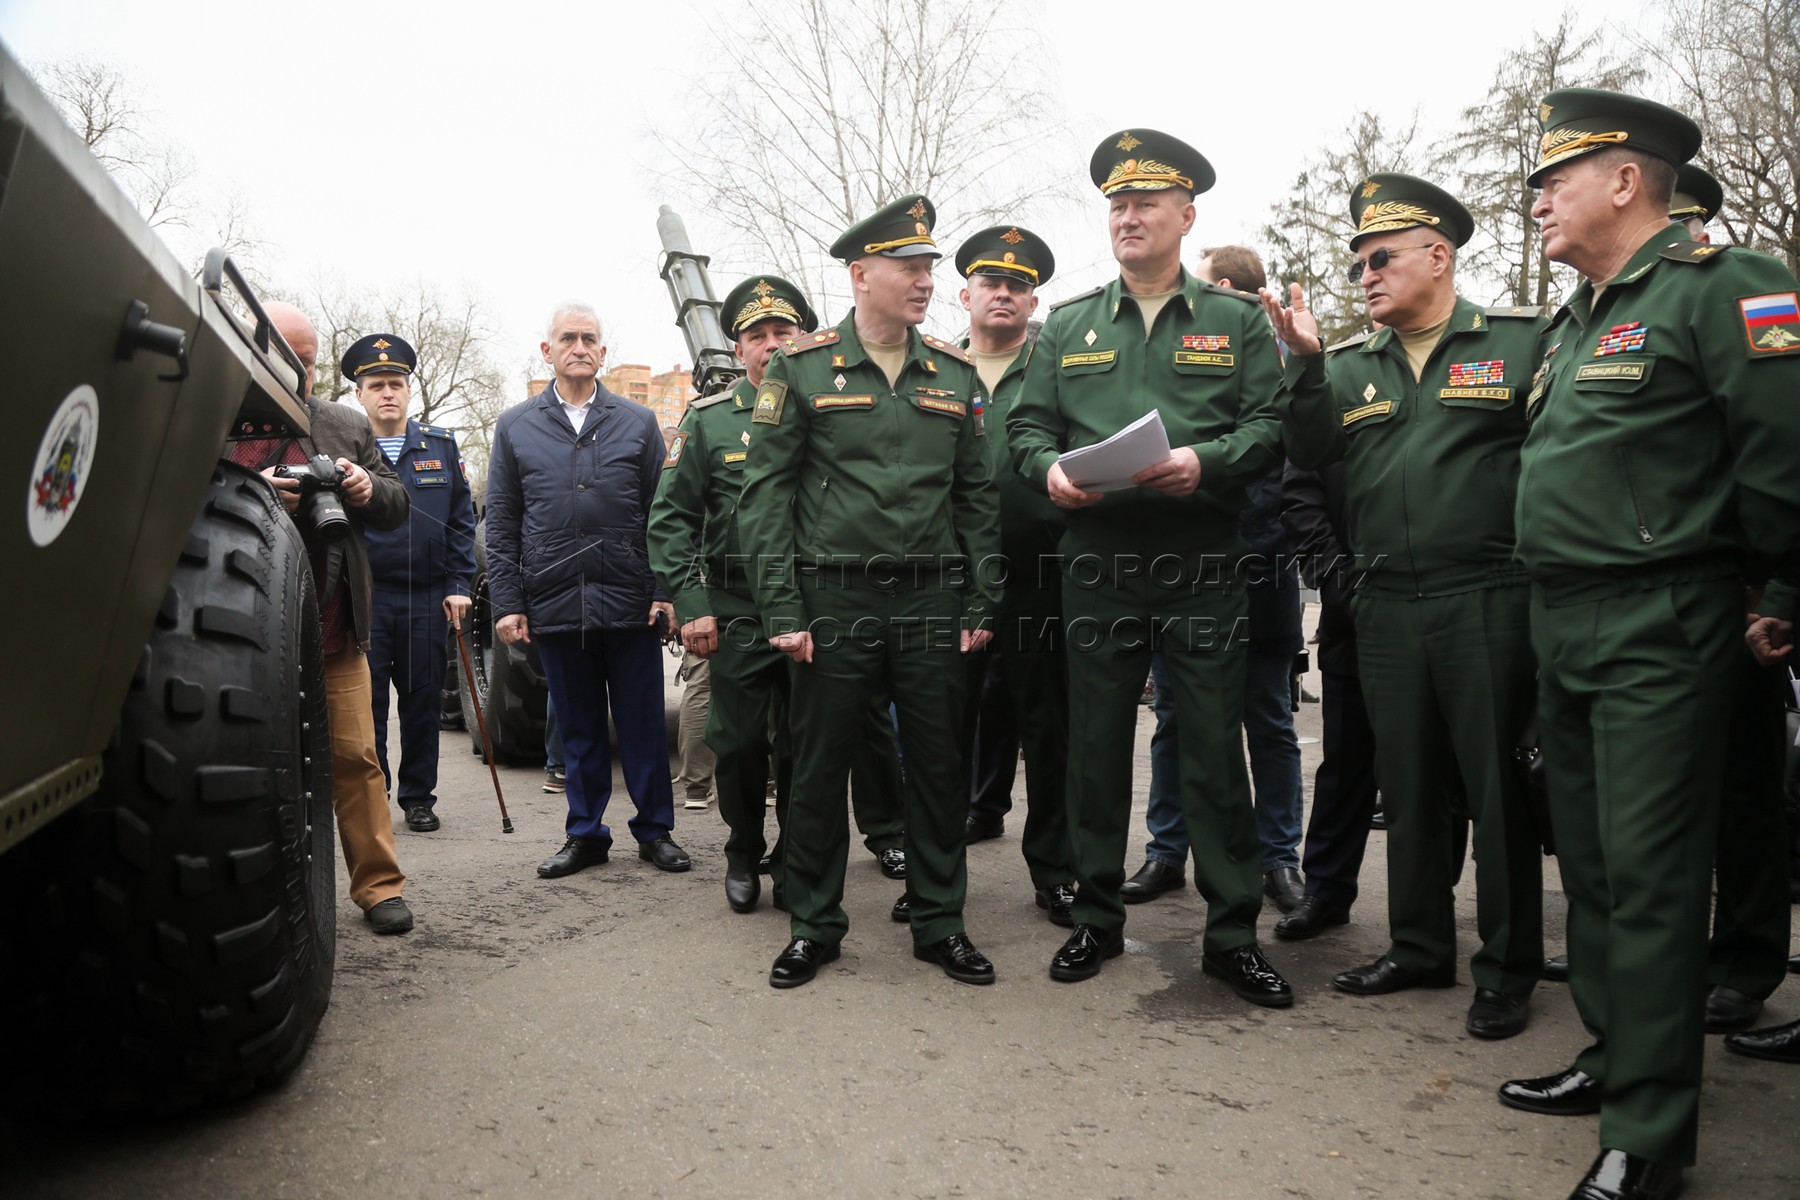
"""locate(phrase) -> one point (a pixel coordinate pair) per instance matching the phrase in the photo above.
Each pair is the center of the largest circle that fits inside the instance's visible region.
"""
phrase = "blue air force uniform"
(414, 567)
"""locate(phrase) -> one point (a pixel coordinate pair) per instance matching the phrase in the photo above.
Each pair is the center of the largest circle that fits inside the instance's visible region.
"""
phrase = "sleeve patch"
(675, 448)
(1771, 323)
(769, 400)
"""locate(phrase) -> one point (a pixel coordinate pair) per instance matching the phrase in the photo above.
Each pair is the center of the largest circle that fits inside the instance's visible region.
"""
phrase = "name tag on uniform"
(825, 403)
(1475, 393)
(1197, 358)
(952, 407)
(1377, 409)
(1622, 370)
(1090, 358)
(431, 480)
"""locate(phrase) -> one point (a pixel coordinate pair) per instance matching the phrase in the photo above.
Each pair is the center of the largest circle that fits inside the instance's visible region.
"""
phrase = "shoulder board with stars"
(812, 341)
(435, 431)
(1087, 295)
(709, 401)
(1348, 343)
(1691, 252)
(949, 349)
(1216, 290)
(1531, 312)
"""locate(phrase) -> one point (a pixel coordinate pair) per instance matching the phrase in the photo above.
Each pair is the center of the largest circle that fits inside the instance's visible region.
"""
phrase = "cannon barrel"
(696, 306)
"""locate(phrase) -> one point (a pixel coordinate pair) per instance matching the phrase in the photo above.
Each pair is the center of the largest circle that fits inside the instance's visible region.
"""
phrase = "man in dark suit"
(570, 482)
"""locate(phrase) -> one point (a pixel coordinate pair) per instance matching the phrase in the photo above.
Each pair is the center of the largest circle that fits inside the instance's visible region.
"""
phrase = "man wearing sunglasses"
(1428, 415)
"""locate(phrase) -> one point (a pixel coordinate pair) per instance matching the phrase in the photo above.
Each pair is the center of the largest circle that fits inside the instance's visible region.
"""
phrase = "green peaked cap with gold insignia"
(1388, 200)
(1143, 160)
(901, 229)
(1578, 121)
(1009, 252)
(765, 298)
(1697, 194)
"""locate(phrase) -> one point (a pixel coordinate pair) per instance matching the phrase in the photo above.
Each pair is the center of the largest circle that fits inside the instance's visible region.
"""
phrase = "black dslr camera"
(321, 499)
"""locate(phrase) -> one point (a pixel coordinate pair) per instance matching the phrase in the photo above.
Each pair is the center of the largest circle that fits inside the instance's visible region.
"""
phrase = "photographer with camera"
(333, 483)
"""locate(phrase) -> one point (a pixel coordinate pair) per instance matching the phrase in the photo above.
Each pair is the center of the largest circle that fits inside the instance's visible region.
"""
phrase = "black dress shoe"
(390, 916)
(1729, 1010)
(1249, 975)
(1496, 1015)
(1059, 902)
(1284, 886)
(1378, 818)
(664, 854)
(959, 958)
(420, 819)
(800, 962)
(1384, 975)
(1556, 969)
(984, 827)
(1778, 1043)
(1570, 1093)
(1152, 880)
(1794, 964)
(901, 913)
(742, 889)
(575, 854)
(1313, 917)
(765, 865)
(1617, 1175)
(1083, 954)
(892, 863)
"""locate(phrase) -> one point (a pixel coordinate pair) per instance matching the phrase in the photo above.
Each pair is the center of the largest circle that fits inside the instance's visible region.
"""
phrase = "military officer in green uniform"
(1427, 416)
(1657, 479)
(1697, 200)
(1155, 563)
(869, 511)
(1002, 269)
(695, 552)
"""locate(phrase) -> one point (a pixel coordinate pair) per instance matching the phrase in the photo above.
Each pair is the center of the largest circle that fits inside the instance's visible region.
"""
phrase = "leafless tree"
(810, 124)
(104, 107)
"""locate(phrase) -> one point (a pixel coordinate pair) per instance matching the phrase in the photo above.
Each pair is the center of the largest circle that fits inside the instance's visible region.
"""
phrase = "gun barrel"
(696, 306)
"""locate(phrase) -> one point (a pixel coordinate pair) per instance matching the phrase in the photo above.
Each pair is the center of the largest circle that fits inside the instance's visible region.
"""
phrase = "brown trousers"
(360, 793)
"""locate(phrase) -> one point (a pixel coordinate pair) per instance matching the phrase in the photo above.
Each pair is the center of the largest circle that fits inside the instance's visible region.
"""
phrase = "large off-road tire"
(171, 941)
(508, 680)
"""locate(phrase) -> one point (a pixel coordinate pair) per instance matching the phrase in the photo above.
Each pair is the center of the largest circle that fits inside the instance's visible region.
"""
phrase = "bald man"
(374, 497)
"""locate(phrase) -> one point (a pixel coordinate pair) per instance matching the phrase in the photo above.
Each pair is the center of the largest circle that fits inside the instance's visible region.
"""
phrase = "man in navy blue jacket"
(570, 481)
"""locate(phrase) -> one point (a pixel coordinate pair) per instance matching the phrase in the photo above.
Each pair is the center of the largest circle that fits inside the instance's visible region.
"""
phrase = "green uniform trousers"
(1749, 948)
(1110, 627)
(1448, 683)
(1633, 704)
(872, 642)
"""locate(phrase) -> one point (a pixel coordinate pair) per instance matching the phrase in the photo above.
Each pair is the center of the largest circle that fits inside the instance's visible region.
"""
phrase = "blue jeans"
(1274, 765)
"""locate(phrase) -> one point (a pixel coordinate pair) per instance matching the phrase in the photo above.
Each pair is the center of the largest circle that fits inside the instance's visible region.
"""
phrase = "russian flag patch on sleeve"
(1771, 323)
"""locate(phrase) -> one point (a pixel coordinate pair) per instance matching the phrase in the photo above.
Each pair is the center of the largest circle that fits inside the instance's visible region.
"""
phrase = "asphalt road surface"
(614, 1034)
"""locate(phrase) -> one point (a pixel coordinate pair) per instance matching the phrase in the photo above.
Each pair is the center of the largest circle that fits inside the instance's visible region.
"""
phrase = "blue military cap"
(377, 354)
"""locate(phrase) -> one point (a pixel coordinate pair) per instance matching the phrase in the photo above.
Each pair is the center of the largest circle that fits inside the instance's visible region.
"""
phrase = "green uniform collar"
(850, 348)
(1016, 367)
(1187, 290)
(1464, 318)
(1580, 303)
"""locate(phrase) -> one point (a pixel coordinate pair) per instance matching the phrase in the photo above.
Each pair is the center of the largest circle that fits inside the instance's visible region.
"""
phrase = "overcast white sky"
(506, 147)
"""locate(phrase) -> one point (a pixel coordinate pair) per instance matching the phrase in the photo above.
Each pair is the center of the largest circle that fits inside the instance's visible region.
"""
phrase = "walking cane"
(487, 747)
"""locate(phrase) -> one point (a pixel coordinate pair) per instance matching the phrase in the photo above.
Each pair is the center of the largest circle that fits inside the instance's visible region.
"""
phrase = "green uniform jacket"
(1030, 525)
(1431, 466)
(1209, 364)
(693, 534)
(852, 473)
(1660, 432)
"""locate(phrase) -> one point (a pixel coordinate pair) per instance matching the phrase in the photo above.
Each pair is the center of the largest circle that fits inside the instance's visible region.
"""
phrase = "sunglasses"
(1378, 260)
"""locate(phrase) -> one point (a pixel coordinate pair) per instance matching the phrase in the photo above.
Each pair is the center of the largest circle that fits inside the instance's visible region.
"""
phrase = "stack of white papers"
(1108, 466)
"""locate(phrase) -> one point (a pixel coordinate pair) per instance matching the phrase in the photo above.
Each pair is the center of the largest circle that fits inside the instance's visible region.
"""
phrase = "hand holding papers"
(1108, 466)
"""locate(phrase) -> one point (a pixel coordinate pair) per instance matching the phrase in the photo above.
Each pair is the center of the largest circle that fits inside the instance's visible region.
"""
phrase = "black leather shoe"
(1794, 964)
(421, 819)
(1496, 1015)
(664, 854)
(1310, 919)
(1617, 1175)
(1556, 969)
(1084, 953)
(1729, 1010)
(1284, 886)
(959, 958)
(901, 913)
(742, 889)
(390, 916)
(800, 962)
(1058, 901)
(1570, 1093)
(1152, 880)
(984, 827)
(1378, 819)
(1249, 975)
(765, 865)
(1384, 975)
(892, 863)
(1778, 1043)
(575, 854)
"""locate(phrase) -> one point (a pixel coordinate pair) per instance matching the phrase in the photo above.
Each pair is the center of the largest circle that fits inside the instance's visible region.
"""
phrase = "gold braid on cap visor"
(1690, 210)
(1559, 144)
(1392, 214)
(1003, 266)
(1146, 175)
(764, 308)
(398, 368)
(923, 239)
